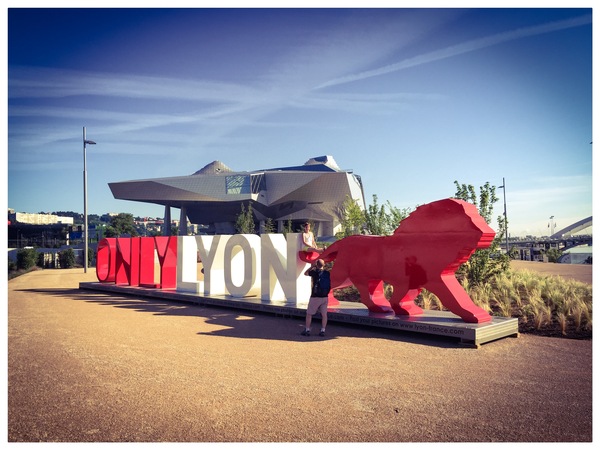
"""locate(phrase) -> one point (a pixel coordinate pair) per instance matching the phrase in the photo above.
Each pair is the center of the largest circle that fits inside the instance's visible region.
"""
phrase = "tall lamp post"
(85, 214)
(505, 218)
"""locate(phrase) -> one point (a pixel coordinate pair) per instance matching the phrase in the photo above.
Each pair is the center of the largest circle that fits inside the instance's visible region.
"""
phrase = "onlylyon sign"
(423, 253)
(239, 265)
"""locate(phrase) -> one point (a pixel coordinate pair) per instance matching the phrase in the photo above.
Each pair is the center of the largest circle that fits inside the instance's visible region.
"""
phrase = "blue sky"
(410, 99)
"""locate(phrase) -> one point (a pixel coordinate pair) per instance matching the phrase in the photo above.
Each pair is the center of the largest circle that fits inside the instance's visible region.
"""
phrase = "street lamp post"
(505, 218)
(85, 213)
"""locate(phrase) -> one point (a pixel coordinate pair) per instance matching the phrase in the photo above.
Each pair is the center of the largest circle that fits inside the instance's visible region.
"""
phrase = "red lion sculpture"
(424, 252)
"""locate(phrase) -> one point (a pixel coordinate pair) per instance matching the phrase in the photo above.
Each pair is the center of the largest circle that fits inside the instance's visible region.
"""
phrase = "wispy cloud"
(362, 103)
(220, 108)
(216, 109)
(204, 102)
(35, 82)
(465, 47)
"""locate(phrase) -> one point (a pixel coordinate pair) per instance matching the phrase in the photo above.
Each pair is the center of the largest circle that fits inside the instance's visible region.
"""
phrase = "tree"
(380, 222)
(352, 218)
(288, 227)
(244, 223)
(375, 220)
(553, 254)
(488, 262)
(120, 225)
(395, 216)
(514, 253)
(269, 227)
(487, 198)
(94, 219)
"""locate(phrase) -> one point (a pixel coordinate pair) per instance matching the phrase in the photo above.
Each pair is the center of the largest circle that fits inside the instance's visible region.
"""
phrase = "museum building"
(214, 195)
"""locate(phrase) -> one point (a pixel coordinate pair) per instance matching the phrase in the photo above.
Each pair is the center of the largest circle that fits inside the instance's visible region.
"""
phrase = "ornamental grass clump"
(481, 296)
(426, 298)
(587, 315)
(577, 316)
(504, 295)
(503, 301)
(437, 303)
(542, 315)
(545, 302)
(562, 321)
(582, 315)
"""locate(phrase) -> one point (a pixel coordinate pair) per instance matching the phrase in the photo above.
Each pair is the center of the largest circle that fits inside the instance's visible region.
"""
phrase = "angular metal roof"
(216, 192)
(213, 168)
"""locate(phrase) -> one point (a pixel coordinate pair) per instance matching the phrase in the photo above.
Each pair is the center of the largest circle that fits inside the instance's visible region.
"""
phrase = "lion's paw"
(408, 309)
(380, 309)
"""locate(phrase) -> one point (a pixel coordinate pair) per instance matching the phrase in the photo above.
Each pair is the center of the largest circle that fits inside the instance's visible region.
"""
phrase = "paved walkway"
(86, 366)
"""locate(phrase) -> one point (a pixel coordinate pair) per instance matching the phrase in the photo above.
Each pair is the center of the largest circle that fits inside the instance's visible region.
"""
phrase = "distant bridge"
(573, 228)
(534, 247)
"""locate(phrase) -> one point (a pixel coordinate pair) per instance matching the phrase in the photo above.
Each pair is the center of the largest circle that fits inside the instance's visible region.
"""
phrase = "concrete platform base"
(439, 323)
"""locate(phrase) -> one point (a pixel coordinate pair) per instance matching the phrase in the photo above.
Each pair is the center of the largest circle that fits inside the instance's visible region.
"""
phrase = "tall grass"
(541, 300)
(534, 298)
(482, 295)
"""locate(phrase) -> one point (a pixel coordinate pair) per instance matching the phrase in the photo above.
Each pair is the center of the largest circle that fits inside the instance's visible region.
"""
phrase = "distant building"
(37, 219)
(581, 254)
(213, 196)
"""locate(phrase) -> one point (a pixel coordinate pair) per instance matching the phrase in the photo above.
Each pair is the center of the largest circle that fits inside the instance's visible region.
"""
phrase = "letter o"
(234, 262)
(106, 258)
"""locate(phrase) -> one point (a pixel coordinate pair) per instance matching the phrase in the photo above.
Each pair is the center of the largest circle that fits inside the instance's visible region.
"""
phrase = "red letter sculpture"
(106, 260)
(424, 252)
(131, 261)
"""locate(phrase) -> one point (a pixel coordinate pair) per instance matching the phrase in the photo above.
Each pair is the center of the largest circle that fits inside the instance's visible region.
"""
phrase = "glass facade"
(245, 184)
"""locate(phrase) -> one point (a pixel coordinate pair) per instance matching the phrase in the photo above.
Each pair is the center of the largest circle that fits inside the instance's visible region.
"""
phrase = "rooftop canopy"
(215, 194)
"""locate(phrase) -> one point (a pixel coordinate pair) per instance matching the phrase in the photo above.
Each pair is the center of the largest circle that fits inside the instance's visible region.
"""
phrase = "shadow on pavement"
(246, 324)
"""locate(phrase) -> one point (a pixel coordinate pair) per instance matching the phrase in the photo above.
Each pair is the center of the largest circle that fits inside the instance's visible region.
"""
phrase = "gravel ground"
(91, 367)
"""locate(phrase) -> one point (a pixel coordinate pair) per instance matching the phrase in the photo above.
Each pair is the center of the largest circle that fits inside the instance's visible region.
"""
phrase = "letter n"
(123, 269)
(282, 271)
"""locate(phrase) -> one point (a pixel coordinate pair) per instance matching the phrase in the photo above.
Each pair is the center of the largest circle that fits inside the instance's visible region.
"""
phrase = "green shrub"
(26, 258)
(41, 259)
(67, 258)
